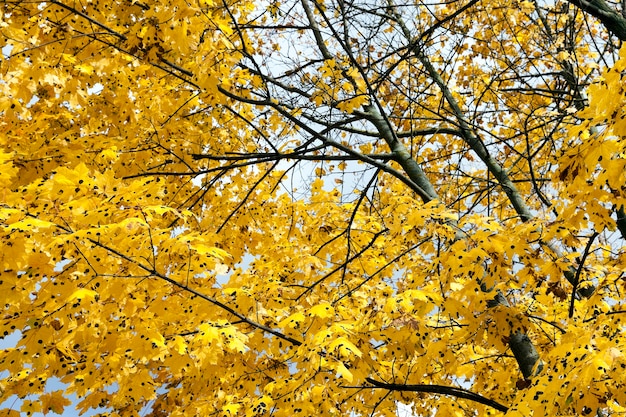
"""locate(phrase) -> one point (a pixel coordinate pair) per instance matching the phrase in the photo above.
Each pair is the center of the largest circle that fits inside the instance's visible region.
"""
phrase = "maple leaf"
(54, 401)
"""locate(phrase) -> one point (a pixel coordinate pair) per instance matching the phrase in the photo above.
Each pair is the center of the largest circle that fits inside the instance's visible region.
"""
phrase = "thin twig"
(578, 271)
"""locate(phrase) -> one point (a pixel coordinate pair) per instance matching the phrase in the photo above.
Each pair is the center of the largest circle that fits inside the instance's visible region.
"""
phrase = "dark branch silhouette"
(441, 390)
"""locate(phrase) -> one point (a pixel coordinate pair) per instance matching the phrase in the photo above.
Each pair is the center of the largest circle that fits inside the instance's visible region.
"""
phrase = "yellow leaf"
(207, 333)
(30, 223)
(54, 401)
(69, 58)
(30, 407)
(83, 294)
(180, 345)
(158, 340)
(84, 68)
(292, 321)
(317, 393)
(7, 171)
(231, 408)
(203, 249)
(160, 209)
(323, 310)
(109, 153)
(345, 346)
(344, 372)
(235, 339)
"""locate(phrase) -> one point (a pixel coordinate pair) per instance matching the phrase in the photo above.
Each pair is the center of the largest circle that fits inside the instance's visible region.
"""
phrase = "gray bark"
(525, 354)
(611, 19)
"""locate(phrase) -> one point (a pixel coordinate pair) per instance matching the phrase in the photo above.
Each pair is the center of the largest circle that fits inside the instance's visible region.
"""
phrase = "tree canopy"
(313, 207)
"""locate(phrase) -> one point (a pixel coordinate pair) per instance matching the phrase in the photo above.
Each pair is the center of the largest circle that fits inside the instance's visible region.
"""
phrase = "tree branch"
(198, 294)
(89, 19)
(441, 390)
(612, 20)
(525, 354)
(578, 271)
(621, 221)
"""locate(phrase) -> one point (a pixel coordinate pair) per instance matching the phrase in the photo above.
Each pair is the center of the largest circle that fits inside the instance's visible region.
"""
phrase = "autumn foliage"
(313, 207)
